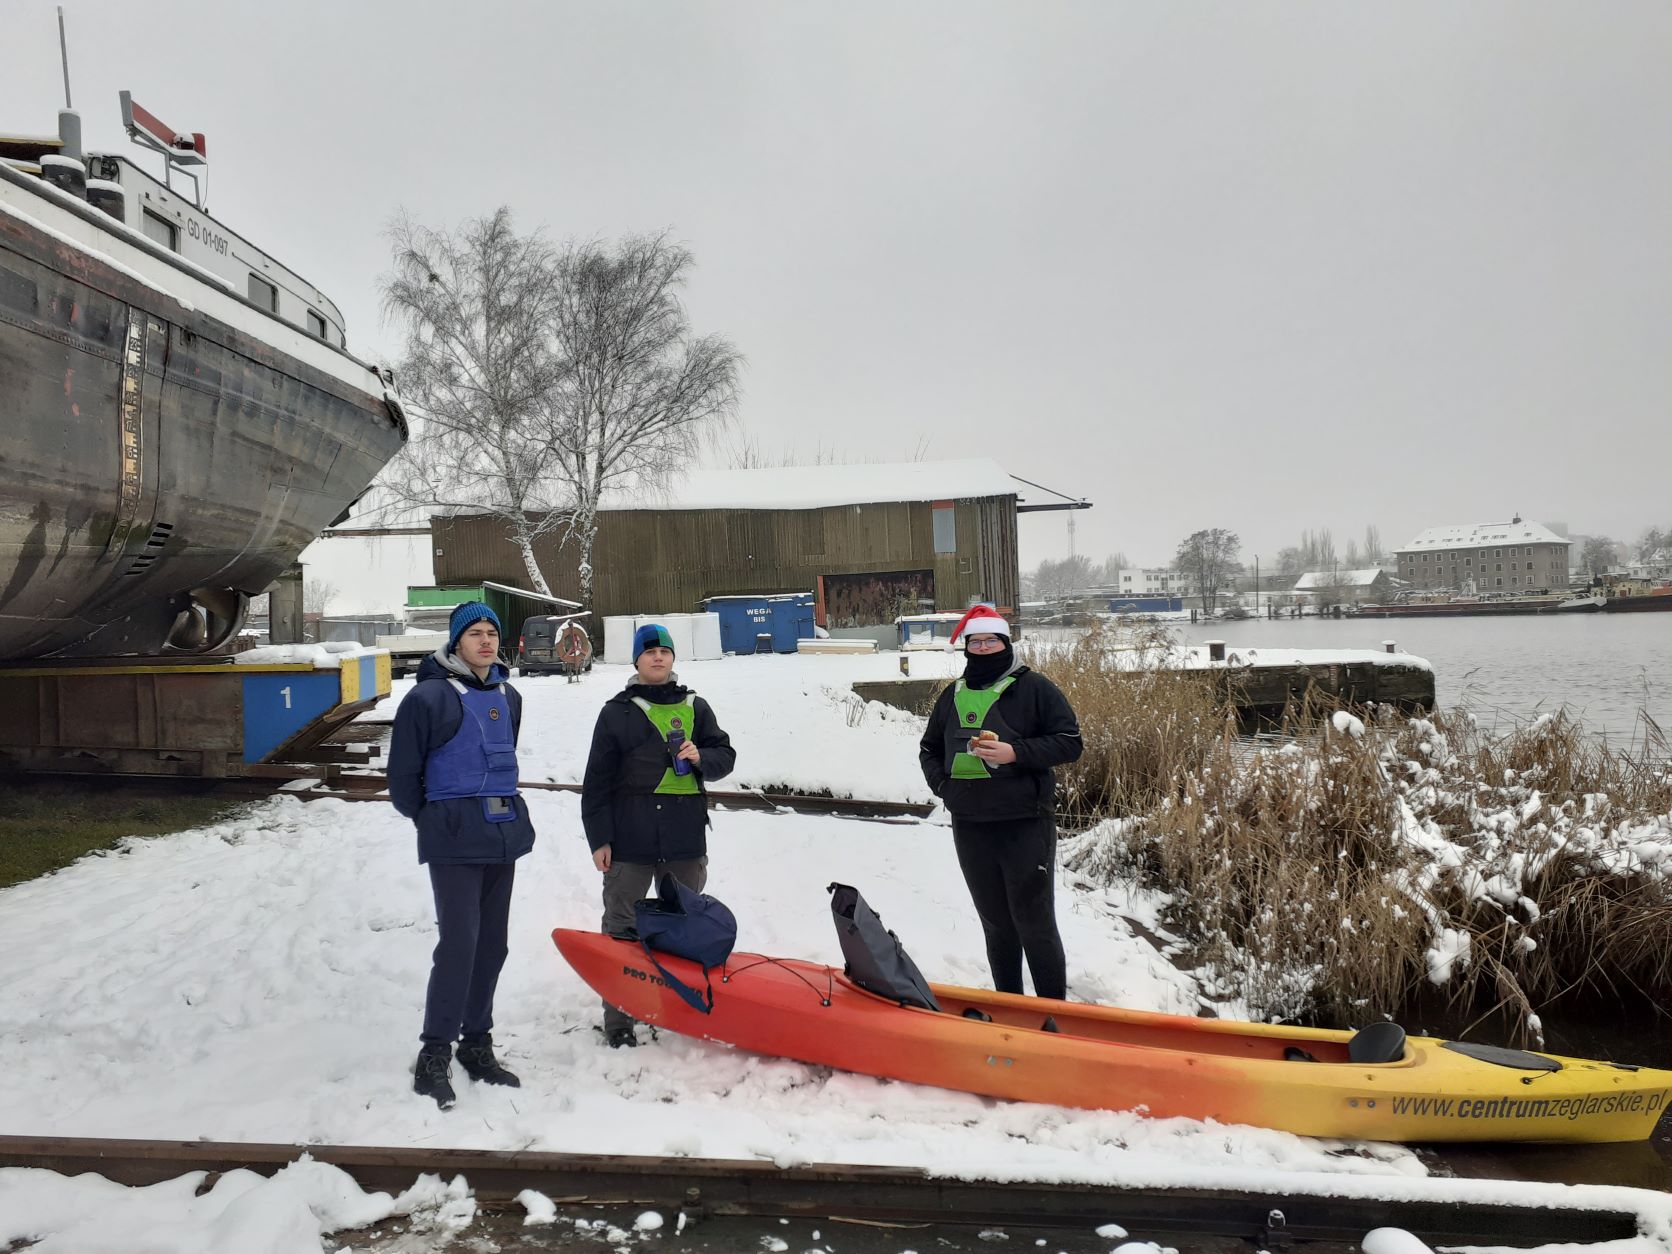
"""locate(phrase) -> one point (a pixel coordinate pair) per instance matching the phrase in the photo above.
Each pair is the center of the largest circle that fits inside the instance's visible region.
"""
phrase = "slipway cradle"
(1310, 1081)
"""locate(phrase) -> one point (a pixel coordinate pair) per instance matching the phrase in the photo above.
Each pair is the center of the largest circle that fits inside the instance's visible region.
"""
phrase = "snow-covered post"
(1216, 650)
(1391, 646)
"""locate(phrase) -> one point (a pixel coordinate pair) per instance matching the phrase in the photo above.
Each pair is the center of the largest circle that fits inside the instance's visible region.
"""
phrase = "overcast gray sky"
(1263, 267)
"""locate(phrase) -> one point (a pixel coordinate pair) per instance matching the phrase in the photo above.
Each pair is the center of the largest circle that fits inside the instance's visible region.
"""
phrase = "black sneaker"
(480, 1064)
(618, 1038)
(430, 1075)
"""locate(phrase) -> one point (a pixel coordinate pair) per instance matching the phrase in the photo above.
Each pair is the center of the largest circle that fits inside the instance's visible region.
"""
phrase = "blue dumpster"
(792, 620)
(781, 617)
(742, 619)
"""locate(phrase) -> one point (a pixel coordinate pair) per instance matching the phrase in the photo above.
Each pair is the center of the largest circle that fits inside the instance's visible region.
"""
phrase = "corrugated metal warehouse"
(873, 542)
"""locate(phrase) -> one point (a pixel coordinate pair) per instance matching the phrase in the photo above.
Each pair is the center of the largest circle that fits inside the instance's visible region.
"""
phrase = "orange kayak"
(1293, 1079)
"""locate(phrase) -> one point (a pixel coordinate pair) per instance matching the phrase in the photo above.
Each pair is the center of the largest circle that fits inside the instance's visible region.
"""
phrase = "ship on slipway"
(179, 412)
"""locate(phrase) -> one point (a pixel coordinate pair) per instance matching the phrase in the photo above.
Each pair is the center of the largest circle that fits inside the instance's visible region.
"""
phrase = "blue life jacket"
(481, 758)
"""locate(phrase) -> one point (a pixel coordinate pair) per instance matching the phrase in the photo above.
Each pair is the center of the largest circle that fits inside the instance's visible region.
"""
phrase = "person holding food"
(988, 751)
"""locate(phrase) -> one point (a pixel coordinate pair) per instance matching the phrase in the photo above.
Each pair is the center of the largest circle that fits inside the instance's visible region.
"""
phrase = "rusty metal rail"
(355, 785)
(700, 1186)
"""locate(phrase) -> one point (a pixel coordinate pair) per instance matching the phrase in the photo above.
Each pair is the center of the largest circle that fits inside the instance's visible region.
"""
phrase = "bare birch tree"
(480, 306)
(638, 391)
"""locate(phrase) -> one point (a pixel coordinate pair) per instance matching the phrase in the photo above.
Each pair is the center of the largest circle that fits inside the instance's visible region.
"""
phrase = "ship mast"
(64, 56)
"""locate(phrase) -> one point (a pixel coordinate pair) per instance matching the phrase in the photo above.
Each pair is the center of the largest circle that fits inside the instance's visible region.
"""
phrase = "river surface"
(1604, 667)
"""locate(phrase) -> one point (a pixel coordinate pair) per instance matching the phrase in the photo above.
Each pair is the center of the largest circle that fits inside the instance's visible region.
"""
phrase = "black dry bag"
(687, 924)
(872, 956)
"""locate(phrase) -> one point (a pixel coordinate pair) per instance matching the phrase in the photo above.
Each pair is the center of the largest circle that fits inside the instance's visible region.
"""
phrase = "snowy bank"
(262, 979)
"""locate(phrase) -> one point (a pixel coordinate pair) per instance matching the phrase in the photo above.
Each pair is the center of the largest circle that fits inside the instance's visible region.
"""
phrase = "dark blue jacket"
(455, 830)
(641, 825)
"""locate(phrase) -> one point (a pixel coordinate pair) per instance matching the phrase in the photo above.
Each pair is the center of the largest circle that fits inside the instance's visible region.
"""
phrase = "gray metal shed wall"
(666, 561)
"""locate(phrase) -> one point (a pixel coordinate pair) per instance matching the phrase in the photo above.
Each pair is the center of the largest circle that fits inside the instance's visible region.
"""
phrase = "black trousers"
(472, 911)
(1010, 868)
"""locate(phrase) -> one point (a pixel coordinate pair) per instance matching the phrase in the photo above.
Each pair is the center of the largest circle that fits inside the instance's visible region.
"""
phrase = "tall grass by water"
(1371, 858)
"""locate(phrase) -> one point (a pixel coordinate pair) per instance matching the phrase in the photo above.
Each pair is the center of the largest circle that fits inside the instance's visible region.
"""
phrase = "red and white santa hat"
(981, 620)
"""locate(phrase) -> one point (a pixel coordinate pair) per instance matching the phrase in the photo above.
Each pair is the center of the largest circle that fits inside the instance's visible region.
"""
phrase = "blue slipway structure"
(179, 415)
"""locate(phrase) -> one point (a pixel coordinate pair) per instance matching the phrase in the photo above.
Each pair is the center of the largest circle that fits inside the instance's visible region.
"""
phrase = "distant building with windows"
(1486, 558)
(1149, 581)
(1652, 566)
(1345, 587)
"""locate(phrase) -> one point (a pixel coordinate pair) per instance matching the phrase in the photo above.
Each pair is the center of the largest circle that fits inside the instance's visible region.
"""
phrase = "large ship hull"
(1650, 603)
(163, 453)
(1462, 609)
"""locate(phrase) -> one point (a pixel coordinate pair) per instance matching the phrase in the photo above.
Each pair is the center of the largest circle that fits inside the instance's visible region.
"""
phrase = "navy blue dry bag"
(687, 924)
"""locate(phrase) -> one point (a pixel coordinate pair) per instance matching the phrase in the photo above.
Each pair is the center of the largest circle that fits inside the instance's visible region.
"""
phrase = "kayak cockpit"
(1376, 1044)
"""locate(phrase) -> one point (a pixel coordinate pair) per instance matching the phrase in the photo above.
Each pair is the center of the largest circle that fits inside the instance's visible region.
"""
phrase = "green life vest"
(973, 706)
(681, 718)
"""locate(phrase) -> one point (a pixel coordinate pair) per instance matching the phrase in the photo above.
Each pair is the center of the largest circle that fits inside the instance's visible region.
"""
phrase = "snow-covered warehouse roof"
(1471, 535)
(1312, 580)
(818, 487)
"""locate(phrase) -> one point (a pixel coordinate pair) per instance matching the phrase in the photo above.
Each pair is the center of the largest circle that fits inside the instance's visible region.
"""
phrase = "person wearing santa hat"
(988, 752)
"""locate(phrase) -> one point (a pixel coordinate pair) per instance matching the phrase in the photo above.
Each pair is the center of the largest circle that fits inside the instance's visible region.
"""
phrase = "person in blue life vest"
(988, 751)
(453, 772)
(654, 748)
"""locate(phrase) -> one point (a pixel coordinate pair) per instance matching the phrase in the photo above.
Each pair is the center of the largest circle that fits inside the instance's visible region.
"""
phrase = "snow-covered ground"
(262, 979)
(794, 720)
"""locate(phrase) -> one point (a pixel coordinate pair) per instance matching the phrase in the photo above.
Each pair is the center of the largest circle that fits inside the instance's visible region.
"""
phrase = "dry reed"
(1319, 877)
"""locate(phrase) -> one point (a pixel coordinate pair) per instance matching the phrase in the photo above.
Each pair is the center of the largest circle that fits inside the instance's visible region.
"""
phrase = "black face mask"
(982, 669)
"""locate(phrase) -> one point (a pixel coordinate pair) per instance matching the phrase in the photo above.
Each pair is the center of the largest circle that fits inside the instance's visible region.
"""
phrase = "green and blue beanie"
(651, 636)
(463, 616)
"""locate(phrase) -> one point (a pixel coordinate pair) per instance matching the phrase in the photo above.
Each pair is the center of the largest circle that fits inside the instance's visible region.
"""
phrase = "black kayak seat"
(1380, 1042)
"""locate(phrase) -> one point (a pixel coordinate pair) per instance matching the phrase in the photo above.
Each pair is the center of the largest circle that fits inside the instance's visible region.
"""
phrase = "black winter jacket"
(1045, 733)
(639, 825)
(454, 830)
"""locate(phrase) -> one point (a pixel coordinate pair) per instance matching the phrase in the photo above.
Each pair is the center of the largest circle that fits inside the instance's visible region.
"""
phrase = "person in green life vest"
(988, 752)
(654, 748)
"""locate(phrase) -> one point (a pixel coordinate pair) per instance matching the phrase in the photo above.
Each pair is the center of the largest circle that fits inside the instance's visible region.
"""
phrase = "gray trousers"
(628, 882)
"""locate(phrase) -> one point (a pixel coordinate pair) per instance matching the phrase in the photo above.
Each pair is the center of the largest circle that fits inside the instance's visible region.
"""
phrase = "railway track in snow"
(699, 1188)
(315, 780)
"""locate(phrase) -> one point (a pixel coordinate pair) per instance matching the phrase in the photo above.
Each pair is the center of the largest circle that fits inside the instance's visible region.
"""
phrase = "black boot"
(479, 1064)
(430, 1075)
(618, 1038)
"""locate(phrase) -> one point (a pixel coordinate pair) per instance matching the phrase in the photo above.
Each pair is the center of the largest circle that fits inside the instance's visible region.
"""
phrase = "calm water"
(1604, 667)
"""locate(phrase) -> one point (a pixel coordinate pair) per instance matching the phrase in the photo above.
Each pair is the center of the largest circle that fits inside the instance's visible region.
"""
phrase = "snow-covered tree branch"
(544, 379)
(480, 367)
(638, 391)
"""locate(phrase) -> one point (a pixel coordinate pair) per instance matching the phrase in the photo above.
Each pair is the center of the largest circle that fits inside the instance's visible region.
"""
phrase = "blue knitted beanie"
(651, 636)
(463, 616)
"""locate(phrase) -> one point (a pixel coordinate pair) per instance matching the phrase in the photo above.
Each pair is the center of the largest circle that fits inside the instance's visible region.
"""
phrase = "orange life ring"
(573, 645)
